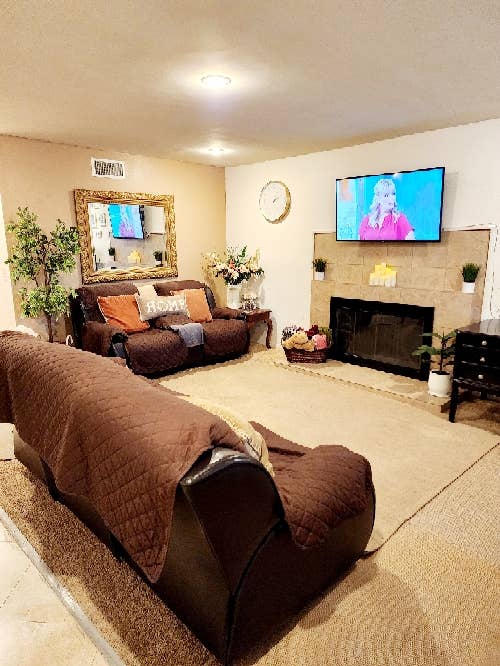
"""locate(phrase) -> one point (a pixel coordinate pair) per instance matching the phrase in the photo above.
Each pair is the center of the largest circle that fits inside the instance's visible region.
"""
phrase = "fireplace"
(381, 335)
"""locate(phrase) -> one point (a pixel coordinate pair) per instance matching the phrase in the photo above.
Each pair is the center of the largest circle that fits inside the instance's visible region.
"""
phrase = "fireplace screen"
(381, 335)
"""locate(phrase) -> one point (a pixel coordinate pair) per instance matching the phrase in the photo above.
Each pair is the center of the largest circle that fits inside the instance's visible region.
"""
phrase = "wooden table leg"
(269, 332)
(453, 403)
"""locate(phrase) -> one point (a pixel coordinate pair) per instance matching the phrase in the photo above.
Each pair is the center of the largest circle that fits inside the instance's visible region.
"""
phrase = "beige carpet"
(414, 453)
(429, 597)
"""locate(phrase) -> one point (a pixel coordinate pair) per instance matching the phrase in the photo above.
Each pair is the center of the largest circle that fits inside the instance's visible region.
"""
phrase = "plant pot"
(158, 263)
(233, 295)
(439, 383)
(319, 275)
(468, 287)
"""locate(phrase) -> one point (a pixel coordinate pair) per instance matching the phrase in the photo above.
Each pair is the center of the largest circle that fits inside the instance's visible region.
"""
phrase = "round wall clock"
(274, 201)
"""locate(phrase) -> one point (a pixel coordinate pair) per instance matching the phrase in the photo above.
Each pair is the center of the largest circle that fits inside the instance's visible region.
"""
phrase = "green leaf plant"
(40, 258)
(444, 352)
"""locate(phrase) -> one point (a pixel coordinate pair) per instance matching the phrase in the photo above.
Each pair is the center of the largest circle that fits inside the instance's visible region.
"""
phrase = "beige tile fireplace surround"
(428, 274)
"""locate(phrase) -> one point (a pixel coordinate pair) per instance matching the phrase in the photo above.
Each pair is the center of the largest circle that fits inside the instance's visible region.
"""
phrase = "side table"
(254, 316)
(477, 361)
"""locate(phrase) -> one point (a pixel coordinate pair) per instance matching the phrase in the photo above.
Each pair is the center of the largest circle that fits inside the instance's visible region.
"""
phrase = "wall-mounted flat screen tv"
(403, 206)
(126, 220)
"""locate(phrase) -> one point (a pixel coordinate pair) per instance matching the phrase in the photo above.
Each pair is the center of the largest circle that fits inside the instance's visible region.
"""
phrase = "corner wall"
(43, 176)
(471, 198)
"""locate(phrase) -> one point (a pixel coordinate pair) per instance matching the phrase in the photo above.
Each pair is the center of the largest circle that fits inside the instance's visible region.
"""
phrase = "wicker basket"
(302, 356)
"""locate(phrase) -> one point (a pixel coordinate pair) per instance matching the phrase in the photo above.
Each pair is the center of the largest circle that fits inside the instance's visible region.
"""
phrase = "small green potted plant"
(319, 265)
(112, 253)
(158, 255)
(439, 379)
(469, 275)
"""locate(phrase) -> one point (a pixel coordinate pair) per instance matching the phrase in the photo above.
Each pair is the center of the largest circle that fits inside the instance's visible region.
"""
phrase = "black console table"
(477, 361)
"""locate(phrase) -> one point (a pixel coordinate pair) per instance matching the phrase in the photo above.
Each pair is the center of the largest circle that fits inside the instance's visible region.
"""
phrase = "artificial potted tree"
(440, 379)
(469, 275)
(158, 255)
(40, 258)
(319, 265)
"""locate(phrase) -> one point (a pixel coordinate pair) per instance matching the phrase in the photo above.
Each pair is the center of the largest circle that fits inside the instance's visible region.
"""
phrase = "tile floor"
(35, 627)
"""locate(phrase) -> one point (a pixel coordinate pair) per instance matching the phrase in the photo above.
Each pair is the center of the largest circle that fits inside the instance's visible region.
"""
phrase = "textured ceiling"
(308, 75)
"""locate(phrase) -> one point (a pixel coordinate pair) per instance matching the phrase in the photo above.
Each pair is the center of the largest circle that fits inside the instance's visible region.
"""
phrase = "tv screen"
(391, 206)
(126, 221)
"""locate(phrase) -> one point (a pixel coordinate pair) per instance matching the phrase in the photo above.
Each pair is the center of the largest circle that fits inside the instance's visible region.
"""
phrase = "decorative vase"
(319, 275)
(439, 383)
(233, 295)
(468, 287)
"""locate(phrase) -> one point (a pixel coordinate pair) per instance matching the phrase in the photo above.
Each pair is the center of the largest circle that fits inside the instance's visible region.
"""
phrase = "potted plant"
(469, 275)
(319, 265)
(439, 379)
(40, 258)
(158, 255)
(112, 254)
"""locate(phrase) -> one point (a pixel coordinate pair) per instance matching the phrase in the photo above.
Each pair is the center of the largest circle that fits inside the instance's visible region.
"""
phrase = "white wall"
(470, 154)
(7, 317)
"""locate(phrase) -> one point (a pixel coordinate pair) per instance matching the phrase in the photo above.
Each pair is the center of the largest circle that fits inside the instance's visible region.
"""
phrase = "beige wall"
(43, 176)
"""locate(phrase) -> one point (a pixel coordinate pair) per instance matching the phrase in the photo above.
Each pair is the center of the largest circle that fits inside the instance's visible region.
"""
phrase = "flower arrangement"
(235, 266)
(317, 337)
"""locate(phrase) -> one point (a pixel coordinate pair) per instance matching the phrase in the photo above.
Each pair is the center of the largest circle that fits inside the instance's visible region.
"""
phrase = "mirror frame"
(89, 274)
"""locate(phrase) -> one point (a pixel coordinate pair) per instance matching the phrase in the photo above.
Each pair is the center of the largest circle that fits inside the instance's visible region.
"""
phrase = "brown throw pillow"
(122, 311)
(197, 305)
(150, 308)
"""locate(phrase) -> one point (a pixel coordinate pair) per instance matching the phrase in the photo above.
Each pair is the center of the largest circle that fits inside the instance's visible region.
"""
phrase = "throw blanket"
(107, 435)
(191, 334)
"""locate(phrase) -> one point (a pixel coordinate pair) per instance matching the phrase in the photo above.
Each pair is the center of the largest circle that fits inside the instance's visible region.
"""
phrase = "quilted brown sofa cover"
(157, 350)
(245, 551)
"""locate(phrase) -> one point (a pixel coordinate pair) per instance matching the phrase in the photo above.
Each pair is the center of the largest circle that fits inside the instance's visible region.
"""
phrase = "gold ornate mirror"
(125, 235)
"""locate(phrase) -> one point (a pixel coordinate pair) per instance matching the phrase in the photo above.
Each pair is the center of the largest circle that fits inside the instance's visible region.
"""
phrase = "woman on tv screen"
(385, 221)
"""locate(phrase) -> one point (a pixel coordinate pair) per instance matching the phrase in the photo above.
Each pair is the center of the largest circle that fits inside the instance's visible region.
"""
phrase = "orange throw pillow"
(197, 305)
(122, 311)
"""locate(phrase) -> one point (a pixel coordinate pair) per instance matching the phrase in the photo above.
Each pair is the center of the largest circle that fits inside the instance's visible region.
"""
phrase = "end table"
(254, 316)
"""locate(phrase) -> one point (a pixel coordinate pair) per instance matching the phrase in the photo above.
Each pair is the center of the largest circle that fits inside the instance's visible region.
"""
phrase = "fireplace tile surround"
(428, 274)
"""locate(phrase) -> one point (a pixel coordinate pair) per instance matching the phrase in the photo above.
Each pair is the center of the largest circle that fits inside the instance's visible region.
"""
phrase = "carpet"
(429, 597)
(414, 454)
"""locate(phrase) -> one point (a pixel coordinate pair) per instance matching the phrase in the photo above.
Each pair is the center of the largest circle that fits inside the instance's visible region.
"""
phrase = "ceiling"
(307, 75)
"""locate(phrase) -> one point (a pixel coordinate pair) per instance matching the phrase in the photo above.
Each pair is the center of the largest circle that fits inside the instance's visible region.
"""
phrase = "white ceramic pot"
(439, 384)
(233, 295)
(319, 275)
(157, 263)
(468, 287)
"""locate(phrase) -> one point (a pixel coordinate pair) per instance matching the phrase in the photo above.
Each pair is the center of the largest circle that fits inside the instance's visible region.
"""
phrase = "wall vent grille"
(102, 168)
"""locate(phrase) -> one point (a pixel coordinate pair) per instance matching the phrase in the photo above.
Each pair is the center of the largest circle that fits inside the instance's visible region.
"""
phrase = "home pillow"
(254, 443)
(122, 311)
(150, 308)
(197, 305)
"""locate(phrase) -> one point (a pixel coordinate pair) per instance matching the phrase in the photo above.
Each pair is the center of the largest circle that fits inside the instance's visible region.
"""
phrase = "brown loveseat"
(172, 489)
(159, 349)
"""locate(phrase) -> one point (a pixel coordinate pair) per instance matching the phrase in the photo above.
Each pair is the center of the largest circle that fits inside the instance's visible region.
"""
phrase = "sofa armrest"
(236, 502)
(226, 313)
(98, 337)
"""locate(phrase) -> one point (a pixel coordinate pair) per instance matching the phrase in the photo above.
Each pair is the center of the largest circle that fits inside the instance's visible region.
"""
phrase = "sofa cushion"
(89, 294)
(150, 308)
(197, 305)
(122, 312)
(155, 351)
(225, 337)
(167, 320)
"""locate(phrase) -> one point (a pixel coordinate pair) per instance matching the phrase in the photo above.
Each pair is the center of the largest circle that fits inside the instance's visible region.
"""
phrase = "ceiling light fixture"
(216, 80)
(216, 150)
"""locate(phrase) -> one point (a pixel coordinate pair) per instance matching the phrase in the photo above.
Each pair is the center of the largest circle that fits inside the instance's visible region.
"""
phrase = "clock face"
(274, 201)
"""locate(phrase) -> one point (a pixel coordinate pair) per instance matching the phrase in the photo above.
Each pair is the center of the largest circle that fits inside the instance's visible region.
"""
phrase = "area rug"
(427, 598)
(414, 454)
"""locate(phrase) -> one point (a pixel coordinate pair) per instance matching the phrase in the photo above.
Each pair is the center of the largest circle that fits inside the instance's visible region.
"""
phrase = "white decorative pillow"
(254, 443)
(146, 290)
(150, 308)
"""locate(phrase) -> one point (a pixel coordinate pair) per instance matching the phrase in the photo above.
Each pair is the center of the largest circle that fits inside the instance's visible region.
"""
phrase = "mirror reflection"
(125, 235)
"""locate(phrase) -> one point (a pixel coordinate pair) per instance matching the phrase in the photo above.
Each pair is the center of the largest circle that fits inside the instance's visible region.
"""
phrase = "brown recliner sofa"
(246, 550)
(159, 349)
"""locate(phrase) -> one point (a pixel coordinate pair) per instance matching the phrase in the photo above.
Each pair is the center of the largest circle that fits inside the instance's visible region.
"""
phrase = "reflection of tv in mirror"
(404, 206)
(126, 220)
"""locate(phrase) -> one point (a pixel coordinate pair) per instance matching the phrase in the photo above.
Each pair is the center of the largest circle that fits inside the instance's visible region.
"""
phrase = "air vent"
(102, 168)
